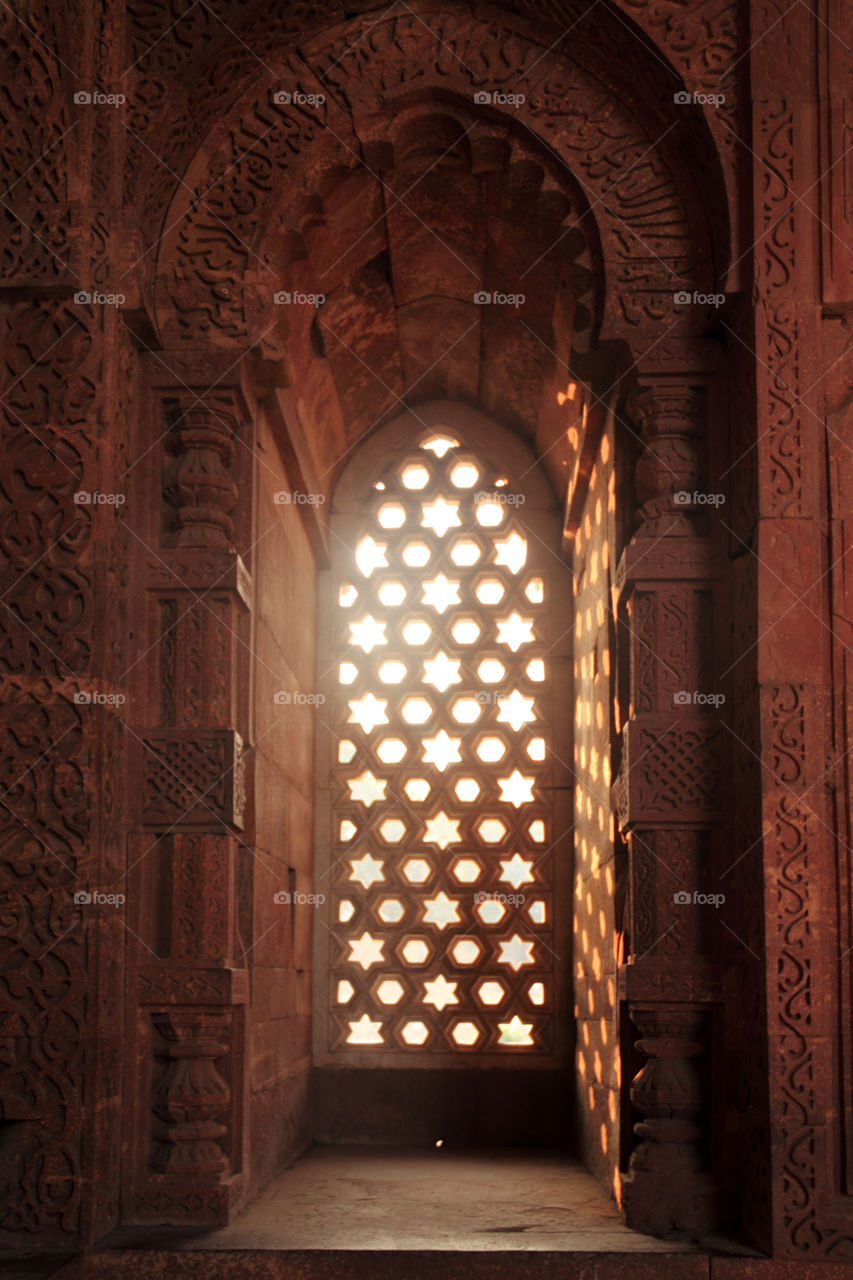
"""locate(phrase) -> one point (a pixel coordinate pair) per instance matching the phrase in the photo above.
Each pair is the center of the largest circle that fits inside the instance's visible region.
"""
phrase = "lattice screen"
(440, 893)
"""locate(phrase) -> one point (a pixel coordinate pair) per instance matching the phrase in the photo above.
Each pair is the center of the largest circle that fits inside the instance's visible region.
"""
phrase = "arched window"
(444, 851)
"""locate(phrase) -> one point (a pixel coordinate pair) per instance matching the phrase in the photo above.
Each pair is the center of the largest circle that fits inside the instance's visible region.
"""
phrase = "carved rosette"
(197, 482)
(191, 1097)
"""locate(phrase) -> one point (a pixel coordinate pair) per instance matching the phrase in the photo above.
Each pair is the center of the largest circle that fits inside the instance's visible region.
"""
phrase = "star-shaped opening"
(442, 750)
(516, 789)
(440, 593)
(515, 1032)
(516, 710)
(441, 671)
(517, 871)
(515, 631)
(368, 712)
(441, 911)
(512, 553)
(370, 555)
(367, 870)
(367, 789)
(516, 953)
(442, 830)
(368, 633)
(366, 950)
(440, 516)
(440, 992)
(365, 1031)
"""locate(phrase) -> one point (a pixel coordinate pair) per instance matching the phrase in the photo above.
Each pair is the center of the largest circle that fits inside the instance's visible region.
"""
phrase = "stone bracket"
(170, 983)
(200, 570)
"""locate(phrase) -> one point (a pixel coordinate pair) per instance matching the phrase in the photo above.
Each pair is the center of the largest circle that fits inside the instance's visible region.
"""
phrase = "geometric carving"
(45, 776)
(676, 775)
(192, 778)
(199, 568)
(665, 861)
(174, 983)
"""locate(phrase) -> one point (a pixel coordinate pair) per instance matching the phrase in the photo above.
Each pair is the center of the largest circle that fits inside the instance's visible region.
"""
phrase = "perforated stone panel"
(440, 903)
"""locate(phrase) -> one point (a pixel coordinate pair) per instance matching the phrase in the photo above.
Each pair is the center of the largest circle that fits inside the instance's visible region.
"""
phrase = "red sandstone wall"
(594, 960)
(283, 649)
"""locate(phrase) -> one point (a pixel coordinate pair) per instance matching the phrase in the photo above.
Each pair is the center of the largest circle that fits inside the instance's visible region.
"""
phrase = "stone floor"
(393, 1213)
(392, 1198)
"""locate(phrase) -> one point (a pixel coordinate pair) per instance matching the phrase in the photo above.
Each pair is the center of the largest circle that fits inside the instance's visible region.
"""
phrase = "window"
(438, 937)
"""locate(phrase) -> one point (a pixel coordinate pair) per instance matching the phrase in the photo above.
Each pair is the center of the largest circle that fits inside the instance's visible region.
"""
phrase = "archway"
(330, 257)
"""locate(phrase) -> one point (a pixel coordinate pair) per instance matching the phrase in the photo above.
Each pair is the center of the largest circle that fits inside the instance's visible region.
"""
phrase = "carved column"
(666, 798)
(198, 483)
(192, 1097)
(668, 1093)
(191, 769)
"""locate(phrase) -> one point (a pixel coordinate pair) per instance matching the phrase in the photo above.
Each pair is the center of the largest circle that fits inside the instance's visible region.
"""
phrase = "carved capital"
(667, 472)
(197, 482)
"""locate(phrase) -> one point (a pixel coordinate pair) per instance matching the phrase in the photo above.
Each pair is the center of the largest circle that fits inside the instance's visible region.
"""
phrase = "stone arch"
(660, 234)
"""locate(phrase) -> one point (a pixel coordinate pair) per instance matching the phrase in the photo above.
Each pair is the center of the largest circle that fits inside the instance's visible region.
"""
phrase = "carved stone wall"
(158, 596)
(62, 556)
(803, 294)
